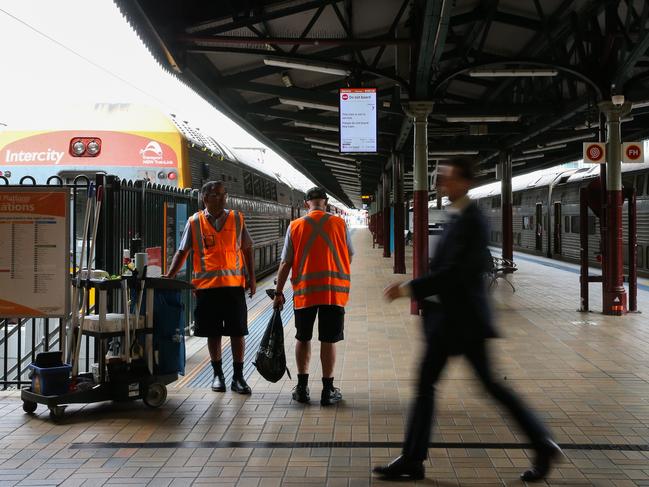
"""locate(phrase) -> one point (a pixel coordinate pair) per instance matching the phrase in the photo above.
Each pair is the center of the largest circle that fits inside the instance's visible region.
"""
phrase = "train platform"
(586, 374)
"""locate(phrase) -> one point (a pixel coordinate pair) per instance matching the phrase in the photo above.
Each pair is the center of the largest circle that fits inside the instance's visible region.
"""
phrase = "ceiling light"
(307, 66)
(319, 126)
(484, 118)
(542, 149)
(334, 156)
(321, 141)
(325, 147)
(640, 104)
(286, 79)
(595, 125)
(453, 153)
(308, 104)
(511, 73)
(572, 139)
(527, 158)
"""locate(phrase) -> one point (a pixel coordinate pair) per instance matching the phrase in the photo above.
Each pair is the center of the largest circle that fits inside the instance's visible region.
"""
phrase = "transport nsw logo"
(153, 154)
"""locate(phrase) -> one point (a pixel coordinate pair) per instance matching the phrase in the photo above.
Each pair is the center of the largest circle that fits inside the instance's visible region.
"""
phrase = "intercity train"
(545, 213)
(135, 142)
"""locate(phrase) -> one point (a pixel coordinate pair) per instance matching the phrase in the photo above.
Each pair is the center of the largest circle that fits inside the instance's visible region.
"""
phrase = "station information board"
(358, 120)
(34, 252)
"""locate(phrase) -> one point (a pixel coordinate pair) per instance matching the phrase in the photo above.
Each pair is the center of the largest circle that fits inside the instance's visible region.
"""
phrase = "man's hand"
(251, 285)
(278, 302)
(397, 290)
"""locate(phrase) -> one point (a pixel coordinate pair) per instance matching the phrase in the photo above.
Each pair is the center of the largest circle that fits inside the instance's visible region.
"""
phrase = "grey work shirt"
(288, 252)
(186, 240)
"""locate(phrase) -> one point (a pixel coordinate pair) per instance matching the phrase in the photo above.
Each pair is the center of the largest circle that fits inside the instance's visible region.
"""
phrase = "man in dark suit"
(457, 321)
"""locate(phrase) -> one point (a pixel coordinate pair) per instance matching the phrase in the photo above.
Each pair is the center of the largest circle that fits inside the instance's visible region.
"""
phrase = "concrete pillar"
(506, 205)
(399, 212)
(614, 299)
(419, 111)
(386, 216)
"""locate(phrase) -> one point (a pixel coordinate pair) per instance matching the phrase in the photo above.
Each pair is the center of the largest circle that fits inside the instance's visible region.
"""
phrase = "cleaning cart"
(151, 353)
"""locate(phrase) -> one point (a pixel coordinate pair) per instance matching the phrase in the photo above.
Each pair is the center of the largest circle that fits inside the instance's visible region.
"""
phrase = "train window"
(258, 259)
(566, 224)
(258, 184)
(273, 191)
(545, 223)
(627, 181)
(639, 188)
(247, 183)
(495, 202)
(575, 224)
(591, 224)
(640, 256)
(267, 190)
(517, 198)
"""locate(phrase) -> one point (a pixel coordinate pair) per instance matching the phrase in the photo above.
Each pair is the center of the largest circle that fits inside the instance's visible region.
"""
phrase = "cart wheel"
(156, 395)
(29, 407)
(57, 412)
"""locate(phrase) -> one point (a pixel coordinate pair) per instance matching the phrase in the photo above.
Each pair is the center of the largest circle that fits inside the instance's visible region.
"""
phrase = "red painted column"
(614, 295)
(399, 239)
(633, 251)
(386, 216)
(506, 206)
(419, 112)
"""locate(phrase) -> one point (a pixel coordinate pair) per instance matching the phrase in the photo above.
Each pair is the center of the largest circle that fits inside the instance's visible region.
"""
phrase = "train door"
(539, 227)
(557, 227)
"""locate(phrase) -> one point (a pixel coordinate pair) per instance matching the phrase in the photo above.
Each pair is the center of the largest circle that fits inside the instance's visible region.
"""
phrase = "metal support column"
(387, 231)
(614, 295)
(399, 212)
(633, 250)
(419, 112)
(506, 206)
(379, 214)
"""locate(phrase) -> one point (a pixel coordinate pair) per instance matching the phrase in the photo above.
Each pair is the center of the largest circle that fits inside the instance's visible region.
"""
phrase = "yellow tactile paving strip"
(585, 374)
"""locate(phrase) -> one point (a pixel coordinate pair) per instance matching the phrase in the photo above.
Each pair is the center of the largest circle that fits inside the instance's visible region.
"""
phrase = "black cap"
(316, 194)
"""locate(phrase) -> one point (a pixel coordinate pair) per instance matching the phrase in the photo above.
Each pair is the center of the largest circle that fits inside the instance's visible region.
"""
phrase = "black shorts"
(331, 323)
(221, 311)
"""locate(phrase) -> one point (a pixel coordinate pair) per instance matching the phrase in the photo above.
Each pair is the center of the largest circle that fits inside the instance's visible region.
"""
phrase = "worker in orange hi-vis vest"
(318, 253)
(223, 270)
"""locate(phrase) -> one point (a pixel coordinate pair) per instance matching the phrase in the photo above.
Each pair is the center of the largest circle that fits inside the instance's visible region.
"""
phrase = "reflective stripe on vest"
(313, 286)
(217, 263)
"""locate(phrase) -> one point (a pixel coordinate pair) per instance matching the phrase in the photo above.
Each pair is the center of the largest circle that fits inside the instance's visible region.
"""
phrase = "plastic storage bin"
(50, 381)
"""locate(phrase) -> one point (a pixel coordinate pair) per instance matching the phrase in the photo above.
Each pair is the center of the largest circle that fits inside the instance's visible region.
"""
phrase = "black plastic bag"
(271, 358)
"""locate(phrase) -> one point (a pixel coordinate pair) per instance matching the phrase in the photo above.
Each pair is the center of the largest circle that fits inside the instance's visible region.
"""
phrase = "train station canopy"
(518, 76)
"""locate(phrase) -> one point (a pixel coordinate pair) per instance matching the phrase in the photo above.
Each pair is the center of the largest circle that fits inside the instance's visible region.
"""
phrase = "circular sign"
(345, 96)
(594, 152)
(633, 152)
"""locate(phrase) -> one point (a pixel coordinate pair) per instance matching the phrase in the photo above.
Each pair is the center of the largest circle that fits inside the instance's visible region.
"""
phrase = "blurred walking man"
(318, 253)
(457, 321)
(222, 247)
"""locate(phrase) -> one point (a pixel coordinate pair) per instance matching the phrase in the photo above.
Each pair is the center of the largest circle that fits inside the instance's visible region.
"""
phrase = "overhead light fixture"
(325, 147)
(595, 125)
(453, 153)
(334, 156)
(318, 126)
(307, 66)
(512, 73)
(321, 141)
(639, 104)
(484, 118)
(571, 139)
(308, 104)
(527, 158)
(542, 149)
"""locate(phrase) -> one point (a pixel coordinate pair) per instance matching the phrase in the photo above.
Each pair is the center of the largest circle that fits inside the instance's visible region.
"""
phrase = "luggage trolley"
(121, 378)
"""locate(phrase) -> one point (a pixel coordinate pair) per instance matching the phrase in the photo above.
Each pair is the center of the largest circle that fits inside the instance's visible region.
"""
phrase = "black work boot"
(401, 468)
(238, 382)
(301, 393)
(218, 384)
(546, 455)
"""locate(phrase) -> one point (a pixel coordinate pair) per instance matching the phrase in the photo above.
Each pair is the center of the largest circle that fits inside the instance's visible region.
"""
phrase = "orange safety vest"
(218, 260)
(320, 270)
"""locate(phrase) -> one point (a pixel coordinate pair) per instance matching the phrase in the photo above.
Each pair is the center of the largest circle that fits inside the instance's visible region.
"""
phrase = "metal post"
(633, 251)
(614, 295)
(583, 251)
(419, 112)
(506, 206)
(386, 216)
(399, 239)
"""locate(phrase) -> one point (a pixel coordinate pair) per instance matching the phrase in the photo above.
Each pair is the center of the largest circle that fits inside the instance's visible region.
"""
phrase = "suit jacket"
(456, 281)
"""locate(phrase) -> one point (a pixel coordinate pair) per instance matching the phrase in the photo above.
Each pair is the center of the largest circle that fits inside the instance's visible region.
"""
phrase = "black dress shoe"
(545, 457)
(401, 467)
(218, 384)
(330, 396)
(301, 394)
(239, 385)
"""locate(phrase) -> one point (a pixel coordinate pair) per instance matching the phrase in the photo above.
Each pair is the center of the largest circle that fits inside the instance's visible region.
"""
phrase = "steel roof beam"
(436, 14)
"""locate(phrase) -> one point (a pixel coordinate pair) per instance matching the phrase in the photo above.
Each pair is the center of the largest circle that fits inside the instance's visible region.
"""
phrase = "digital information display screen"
(358, 120)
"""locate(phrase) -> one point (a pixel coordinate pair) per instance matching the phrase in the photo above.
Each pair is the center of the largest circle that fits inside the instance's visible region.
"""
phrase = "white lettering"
(50, 155)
